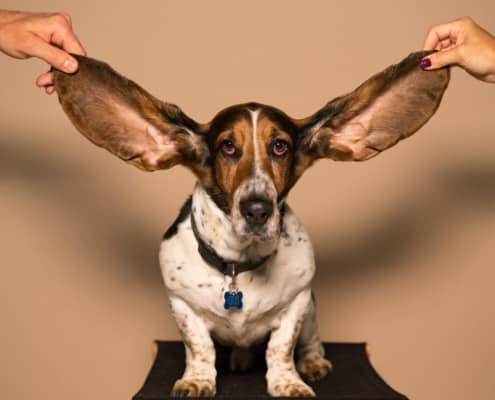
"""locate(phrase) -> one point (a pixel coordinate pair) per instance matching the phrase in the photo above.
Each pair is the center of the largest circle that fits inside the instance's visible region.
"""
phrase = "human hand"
(462, 42)
(48, 36)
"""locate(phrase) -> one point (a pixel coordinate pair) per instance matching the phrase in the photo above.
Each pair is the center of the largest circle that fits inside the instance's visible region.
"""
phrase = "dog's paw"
(314, 366)
(241, 359)
(191, 387)
(291, 389)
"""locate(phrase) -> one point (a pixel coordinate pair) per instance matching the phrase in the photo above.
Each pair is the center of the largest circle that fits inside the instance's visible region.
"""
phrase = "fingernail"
(70, 65)
(425, 63)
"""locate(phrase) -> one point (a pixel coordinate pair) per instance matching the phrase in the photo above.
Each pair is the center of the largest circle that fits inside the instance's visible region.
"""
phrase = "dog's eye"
(280, 147)
(228, 148)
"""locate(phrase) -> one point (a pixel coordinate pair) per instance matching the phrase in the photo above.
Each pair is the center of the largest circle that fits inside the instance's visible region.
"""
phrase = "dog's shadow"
(133, 244)
(413, 226)
(109, 229)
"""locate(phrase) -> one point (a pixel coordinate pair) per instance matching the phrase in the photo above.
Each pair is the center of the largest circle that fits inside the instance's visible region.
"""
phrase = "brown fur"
(277, 168)
(117, 114)
(231, 172)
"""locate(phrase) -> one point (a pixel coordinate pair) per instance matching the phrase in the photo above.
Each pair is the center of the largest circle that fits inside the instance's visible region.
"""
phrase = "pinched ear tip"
(387, 108)
(434, 81)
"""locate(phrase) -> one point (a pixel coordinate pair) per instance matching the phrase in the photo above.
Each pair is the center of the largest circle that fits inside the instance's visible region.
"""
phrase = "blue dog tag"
(233, 300)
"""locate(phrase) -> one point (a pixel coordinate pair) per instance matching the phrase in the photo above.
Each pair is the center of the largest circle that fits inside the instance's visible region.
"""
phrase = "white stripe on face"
(254, 122)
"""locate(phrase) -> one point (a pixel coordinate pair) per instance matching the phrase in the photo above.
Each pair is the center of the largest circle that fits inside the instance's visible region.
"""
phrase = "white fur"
(254, 125)
(277, 300)
(268, 291)
(277, 295)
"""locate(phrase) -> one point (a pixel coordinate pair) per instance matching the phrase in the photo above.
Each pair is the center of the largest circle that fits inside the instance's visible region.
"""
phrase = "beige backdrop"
(404, 243)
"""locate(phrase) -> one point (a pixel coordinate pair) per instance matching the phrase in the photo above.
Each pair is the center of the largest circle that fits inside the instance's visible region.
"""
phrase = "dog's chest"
(267, 291)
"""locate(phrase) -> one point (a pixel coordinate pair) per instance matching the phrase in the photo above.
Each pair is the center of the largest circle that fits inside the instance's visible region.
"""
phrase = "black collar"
(211, 257)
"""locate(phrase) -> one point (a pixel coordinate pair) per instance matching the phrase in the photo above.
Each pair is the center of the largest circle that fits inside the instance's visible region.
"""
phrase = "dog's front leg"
(282, 377)
(200, 373)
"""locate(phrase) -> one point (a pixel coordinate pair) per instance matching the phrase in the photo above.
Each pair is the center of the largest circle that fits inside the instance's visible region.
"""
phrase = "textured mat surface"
(352, 378)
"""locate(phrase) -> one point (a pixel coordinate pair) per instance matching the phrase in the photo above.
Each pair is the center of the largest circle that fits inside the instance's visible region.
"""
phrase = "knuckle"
(28, 41)
(431, 29)
(67, 17)
(466, 20)
(59, 19)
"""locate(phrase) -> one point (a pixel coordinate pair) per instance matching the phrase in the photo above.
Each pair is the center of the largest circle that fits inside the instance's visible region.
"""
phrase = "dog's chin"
(267, 234)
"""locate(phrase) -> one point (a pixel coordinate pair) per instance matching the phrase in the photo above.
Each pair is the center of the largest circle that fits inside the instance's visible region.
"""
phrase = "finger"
(65, 38)
(54, 56)
(442, 59)
(49, 89)
(445, 44)
(67, 18)
(72, 44)
(45, 79)
(440, 32)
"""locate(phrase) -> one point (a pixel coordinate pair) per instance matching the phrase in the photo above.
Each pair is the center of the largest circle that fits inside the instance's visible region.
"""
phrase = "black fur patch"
(184, 213)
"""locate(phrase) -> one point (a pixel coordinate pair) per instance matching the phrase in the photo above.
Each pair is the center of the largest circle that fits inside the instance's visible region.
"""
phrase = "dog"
(237, 263)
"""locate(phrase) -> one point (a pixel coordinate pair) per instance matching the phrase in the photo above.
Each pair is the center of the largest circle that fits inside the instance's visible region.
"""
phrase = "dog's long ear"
(118, 115)
(385, 109)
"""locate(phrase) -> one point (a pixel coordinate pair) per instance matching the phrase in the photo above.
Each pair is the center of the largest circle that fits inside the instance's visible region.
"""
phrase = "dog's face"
(249, 156)
(252, 150)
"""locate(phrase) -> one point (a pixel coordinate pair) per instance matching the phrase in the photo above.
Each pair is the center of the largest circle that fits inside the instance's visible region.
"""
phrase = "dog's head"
(249, 156)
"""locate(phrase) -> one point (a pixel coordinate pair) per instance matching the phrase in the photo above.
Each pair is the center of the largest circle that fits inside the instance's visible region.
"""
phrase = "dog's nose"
(256, 210)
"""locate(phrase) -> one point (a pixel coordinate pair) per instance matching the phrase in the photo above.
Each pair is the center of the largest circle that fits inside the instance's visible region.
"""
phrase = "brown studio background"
(404, 242)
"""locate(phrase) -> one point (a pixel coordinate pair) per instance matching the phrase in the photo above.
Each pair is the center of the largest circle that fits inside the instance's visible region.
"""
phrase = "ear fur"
(117, 114)
(388, 107)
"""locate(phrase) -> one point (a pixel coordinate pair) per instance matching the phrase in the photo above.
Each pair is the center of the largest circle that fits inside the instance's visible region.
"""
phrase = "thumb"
(441, 59)
(52, 55)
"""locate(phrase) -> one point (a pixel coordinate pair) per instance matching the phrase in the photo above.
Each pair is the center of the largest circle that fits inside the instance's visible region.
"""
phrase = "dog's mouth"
(256, 219)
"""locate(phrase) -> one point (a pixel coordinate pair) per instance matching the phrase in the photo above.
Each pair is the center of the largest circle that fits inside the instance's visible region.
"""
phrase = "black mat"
(352, 378)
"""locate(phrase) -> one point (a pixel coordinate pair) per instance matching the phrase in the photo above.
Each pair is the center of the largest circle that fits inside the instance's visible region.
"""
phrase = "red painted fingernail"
(425, 63)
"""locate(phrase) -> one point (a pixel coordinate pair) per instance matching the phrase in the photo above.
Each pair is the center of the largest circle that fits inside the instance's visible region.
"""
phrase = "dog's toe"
(191, 387)
(314, 367)
(292, 389)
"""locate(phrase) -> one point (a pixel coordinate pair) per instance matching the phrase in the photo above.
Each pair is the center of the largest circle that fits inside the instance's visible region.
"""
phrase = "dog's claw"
(180, 393)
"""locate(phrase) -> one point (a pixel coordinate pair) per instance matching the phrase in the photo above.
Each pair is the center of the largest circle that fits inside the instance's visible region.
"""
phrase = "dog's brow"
(227, 135)
(275, 133)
